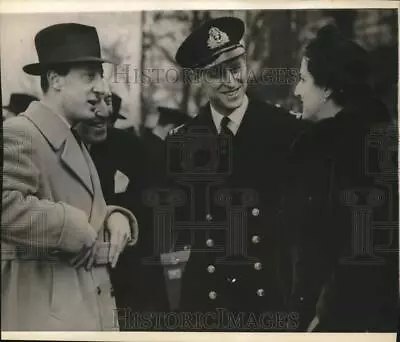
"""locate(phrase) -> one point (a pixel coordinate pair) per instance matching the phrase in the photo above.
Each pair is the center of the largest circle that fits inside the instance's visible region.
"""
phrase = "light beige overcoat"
(52, 206)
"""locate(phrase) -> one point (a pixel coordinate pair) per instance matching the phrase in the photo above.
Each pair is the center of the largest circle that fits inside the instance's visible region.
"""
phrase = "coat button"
(209, 217)
(255, 212)
(255, 239)
(301, 299)
(98, 290)
(260, 292)
(310, 198)
(211, 269)
(210, 242)
(232, 280)
(212, 294)
(258, 266)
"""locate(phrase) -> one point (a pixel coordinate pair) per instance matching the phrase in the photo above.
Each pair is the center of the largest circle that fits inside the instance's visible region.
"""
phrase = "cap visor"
(37, 69)
(226, 56)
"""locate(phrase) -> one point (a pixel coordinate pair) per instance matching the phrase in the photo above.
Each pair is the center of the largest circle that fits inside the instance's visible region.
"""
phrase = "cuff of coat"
(132, 222)
(76, 231)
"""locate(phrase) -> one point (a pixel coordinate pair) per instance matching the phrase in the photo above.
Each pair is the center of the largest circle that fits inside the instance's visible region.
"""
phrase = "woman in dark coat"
(338, 282)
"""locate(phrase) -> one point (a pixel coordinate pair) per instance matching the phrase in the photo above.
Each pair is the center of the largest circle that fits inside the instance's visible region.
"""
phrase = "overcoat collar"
(61, 139)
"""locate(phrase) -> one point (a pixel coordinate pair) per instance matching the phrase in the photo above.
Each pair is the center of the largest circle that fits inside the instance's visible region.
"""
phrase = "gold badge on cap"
(216, 38)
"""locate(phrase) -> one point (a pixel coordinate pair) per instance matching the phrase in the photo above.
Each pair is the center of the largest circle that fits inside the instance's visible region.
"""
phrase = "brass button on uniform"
(212, 295)
(232, 280)
(209, 217)
(260, 292)
(211, 269)
(210, 242)
(255, 212)
(258, 266)
(255, 239)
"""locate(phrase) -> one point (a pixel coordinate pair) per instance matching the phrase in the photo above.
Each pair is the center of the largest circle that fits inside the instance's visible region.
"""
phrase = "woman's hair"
(338, 64)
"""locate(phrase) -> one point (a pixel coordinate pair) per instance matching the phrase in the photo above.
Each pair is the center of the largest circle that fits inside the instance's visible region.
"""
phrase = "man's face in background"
(112, 118)
(95, 130)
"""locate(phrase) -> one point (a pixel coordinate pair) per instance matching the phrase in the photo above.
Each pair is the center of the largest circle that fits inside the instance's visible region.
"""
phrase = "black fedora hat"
(65, 43)
(19, 102)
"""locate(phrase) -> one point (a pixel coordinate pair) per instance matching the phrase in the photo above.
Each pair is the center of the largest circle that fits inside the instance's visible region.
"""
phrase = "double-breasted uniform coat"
(52, 206)
(227, 211)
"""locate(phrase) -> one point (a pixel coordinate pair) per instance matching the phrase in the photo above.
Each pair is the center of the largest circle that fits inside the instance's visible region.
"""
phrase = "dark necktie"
(225, 148)
(224, 127)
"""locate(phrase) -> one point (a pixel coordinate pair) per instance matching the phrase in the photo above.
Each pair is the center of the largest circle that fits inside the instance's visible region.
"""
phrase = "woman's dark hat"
(65, 43)
(216, 41)
(19, 102)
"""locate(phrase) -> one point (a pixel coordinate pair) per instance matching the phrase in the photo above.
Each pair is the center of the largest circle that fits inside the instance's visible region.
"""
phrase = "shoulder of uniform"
(297, 115)
(177, 130)
(279, 108)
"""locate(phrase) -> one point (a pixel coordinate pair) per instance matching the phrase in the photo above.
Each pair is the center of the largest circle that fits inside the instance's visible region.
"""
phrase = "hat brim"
(227, 55)
(38, 69)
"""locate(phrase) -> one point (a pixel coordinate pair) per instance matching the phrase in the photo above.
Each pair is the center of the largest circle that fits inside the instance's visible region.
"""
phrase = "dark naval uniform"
(226, 184)
(227, 212)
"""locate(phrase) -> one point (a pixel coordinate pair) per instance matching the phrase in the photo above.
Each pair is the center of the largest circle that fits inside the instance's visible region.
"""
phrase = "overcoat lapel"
(62, 140)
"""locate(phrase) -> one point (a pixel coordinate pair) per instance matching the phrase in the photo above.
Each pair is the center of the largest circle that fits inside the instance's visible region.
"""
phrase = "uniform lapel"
(62, 140)
(204, 119)
(246, 120)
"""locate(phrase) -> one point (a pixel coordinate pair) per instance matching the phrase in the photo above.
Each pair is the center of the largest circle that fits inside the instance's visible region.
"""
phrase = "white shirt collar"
(236, 116)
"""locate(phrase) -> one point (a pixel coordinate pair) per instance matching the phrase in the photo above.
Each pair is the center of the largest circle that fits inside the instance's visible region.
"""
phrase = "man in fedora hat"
(229, 163)
(114, 151)
(58, 235)
(19, 102)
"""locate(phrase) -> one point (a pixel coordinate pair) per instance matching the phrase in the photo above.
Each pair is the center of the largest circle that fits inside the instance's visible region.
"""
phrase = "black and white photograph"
(200, 170)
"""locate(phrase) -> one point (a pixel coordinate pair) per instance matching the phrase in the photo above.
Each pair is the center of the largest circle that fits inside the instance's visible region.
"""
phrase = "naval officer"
(227, 165)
